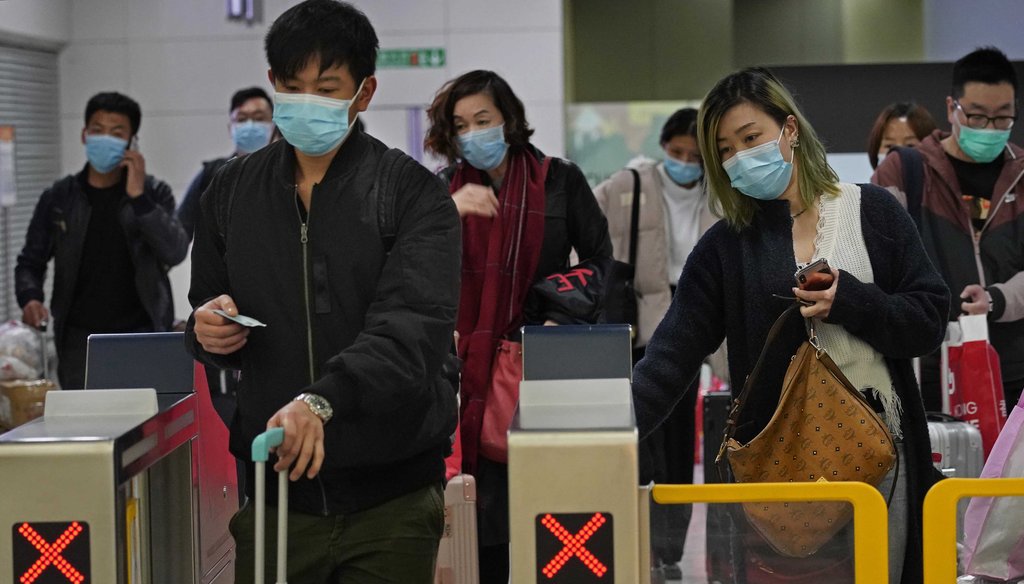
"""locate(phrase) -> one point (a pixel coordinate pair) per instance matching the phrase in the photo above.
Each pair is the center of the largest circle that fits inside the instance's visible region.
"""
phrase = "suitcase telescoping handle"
(45, 346)
(261, 446)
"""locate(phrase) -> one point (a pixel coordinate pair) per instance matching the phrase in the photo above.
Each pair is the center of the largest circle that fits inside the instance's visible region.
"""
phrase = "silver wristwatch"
(318, 405)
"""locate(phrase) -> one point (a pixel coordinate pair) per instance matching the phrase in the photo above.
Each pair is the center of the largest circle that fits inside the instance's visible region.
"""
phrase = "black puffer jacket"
(379, 324)
(156, 242)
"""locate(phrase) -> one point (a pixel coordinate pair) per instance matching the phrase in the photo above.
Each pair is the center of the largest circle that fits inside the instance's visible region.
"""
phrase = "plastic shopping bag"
(993, 536)
(973, 383)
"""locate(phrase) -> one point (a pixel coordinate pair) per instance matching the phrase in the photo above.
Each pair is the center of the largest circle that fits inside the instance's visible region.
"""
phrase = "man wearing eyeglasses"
(963, 188)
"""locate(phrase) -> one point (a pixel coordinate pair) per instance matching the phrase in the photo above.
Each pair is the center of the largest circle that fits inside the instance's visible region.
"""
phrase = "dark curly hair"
(441, 137)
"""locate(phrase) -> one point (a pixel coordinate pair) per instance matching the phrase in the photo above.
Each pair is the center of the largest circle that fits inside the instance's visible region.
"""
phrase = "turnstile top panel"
(85, 428)
(574, 405)
(591, 351)
(157, 360)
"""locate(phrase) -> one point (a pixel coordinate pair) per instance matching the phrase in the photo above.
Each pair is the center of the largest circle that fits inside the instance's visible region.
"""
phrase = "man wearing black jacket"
(112, 234)
(351, 256)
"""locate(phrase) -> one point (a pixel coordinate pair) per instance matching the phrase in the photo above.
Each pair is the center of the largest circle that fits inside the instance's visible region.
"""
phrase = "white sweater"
(840, 240)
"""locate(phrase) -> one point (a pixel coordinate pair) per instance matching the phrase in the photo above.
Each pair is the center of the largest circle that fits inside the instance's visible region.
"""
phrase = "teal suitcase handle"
(262, 444)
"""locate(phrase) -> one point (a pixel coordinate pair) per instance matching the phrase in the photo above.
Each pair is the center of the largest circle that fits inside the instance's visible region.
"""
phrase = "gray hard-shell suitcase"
(261, 446)
(956, 452)
(956, 446)
(457, 560)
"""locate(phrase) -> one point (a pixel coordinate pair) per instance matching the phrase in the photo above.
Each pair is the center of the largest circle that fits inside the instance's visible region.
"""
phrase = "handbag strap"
(739, 402)
(634, 217)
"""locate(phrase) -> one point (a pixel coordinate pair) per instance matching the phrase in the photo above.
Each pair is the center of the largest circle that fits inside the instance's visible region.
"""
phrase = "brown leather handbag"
(822, 430)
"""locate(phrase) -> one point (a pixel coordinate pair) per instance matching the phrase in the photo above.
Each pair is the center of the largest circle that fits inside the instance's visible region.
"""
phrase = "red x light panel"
(51, 553)
(575, 548)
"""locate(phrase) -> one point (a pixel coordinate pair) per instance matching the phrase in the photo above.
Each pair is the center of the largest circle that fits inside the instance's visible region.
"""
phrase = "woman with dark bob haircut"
(522, 213)
(784, 207)
(901, 124)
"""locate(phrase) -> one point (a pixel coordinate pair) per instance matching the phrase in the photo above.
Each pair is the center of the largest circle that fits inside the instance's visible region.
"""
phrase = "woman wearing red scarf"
(522, 213)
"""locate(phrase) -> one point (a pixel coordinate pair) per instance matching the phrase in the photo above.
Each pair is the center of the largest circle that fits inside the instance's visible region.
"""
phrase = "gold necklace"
(798, 214)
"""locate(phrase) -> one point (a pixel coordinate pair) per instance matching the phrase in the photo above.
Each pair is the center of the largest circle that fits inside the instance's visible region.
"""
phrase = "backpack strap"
(222, 214)
(210, 168)
(913, 181)
(634, 218)
(385, 184)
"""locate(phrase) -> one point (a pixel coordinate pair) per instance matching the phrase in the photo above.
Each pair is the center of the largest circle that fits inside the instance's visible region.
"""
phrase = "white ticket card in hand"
(240, 319)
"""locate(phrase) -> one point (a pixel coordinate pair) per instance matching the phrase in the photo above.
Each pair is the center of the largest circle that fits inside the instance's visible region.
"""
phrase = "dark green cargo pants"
(395, 542)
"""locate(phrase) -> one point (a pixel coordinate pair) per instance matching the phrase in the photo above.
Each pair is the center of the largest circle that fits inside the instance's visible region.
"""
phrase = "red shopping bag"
(972, 379)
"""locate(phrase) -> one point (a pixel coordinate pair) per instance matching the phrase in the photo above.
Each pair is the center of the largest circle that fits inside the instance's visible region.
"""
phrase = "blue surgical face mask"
(313, 124)
(981, 145)
(250, 136)
(484, 149)
(104, 152)
(682, 173)
(760, 172)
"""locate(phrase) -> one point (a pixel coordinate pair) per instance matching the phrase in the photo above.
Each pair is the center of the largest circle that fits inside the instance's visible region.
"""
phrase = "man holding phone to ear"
(112, 234)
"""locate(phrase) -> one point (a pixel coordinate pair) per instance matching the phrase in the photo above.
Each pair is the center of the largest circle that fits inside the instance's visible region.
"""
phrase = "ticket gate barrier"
(160, 361)
(574, 502)
(870, 515)
(940, 513)
(159, 489)
(99, 490)
(576, 512)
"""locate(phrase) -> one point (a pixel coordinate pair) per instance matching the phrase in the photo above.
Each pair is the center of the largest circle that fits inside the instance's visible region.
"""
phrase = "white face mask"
(881, 156)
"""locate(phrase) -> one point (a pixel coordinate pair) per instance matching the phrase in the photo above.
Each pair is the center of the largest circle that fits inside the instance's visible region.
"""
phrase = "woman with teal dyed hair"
(784, 208)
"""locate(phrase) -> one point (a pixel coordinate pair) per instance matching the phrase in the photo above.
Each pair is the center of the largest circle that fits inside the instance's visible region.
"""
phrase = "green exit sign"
(411, 58)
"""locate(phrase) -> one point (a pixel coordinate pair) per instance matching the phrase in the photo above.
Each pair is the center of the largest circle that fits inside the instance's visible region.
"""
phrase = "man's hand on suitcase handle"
(303, 440)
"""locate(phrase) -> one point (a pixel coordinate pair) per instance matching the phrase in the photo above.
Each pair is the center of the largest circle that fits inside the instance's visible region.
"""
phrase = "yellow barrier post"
(870, 516)
(940, 520)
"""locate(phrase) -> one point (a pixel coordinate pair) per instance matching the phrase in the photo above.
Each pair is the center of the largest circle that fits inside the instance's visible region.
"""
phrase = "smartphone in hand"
(816, 275)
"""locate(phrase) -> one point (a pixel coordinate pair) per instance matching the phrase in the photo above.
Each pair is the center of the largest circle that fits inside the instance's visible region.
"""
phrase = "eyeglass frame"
(988, 119)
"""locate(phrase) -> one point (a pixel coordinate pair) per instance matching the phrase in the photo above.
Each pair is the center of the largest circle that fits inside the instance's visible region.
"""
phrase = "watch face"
(319, 406)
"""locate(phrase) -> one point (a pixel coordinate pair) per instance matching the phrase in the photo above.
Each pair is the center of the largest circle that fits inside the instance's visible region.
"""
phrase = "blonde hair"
(758, 87)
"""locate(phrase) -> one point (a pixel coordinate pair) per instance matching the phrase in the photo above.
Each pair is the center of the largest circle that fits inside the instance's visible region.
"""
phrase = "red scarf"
(499, 260)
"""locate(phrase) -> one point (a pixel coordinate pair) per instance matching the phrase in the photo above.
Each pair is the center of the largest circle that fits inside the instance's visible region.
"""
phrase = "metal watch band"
(318, 405)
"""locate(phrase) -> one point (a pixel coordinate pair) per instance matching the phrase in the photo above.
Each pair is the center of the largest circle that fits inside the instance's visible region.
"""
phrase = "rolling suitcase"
(957, 452)
(716, 413)
(261, 446)
(723, 557)
(457, 554)
(956, 446)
